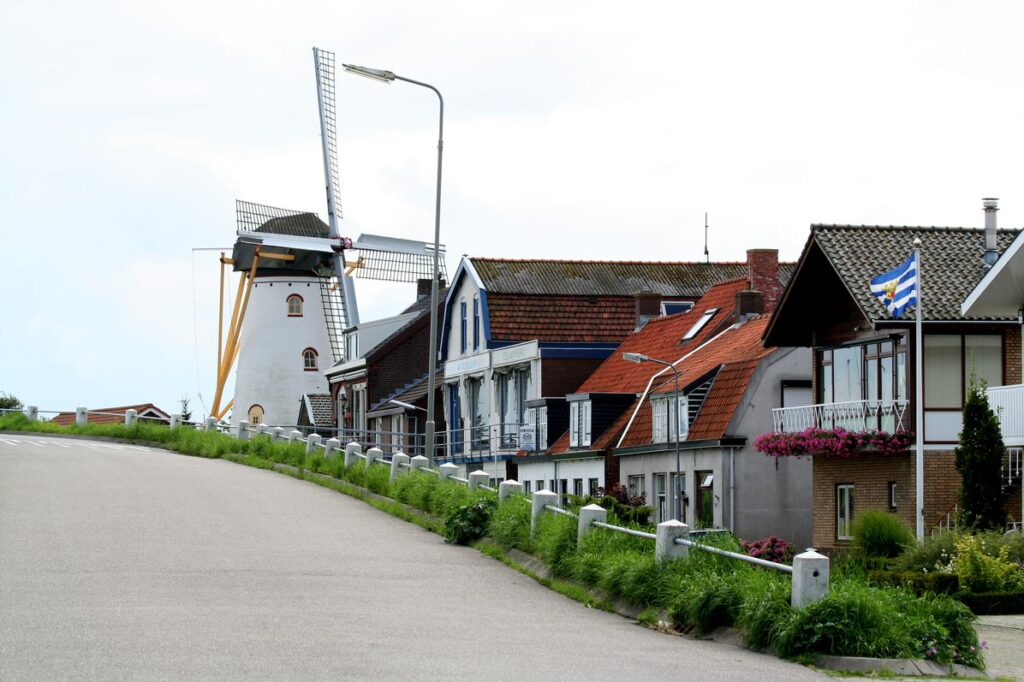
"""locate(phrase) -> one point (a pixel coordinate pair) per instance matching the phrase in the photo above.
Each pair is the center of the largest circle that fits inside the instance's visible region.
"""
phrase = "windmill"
(278, 351)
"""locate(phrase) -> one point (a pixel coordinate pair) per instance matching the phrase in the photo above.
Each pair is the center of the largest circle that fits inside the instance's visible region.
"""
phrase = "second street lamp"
(640, 358)
(389, 77)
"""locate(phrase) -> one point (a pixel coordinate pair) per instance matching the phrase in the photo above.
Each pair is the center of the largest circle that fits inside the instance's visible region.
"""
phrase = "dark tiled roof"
(573, 319)
(607, 278)
(410, 393)
(320, 404)
(951, 262)
(298, 225)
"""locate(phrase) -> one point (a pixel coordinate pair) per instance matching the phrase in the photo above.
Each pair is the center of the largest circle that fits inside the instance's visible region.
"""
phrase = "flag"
(897, 289)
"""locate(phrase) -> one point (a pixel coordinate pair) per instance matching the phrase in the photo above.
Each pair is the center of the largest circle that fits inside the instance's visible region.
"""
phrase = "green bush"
(510, 524)
(881, 534)
(556, 541)
(982, 572)
(993, 603)
(468, 522)
(934, 582)
(764, 608)
(378, 479)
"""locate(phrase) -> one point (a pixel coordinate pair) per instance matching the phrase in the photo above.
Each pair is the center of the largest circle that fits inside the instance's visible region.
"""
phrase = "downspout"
(732, 490)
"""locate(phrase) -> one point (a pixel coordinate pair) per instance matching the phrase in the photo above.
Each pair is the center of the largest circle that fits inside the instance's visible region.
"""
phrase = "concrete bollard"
(211, 424)
(312, 442)
(81, 416)
(372, 455)
(243, 430)
(541, 498)
(397, 460)
(810, 578)
(32, 412)
(507, 489)
(130, 417)
(447, 471)
(175, 421)
(276, 434)
(665, 547)
(352, 452)
(589, 514)
(418, 462)
(476, 478)
(331, 445)
(294, 436)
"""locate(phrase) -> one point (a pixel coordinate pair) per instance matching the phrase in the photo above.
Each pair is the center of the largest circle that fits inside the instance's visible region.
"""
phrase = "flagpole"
(919, 393)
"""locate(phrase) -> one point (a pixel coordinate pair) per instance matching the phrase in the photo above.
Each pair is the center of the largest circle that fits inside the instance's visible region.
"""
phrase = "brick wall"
(406, 362)
(1011, 357)
(560, 377)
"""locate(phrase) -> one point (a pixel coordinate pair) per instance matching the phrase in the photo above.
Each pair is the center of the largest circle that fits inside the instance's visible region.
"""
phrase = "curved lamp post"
(390, 77)
(639, 358)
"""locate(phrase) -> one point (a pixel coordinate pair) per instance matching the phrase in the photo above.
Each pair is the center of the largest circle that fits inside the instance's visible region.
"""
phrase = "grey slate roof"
(320, 404)
(298, 225)
(951, 262)
(607, 278)
(410, 393)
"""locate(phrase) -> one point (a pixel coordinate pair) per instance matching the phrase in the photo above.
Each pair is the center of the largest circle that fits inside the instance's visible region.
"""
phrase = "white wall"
(465, 291)
(564, 468)
(270, 367)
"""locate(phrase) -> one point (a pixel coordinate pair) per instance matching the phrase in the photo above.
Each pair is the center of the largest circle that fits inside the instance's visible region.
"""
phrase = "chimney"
(647, 305)
(991, 205)
(749, 303)
(763, 275)
(422, 288)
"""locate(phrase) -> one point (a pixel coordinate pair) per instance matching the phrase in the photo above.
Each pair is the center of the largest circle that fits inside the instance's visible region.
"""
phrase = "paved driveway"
(126, 562)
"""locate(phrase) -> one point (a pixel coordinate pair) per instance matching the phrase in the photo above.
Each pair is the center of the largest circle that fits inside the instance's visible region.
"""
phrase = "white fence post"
(540, 498)
(507, 489)
(32, 412)
(352, 452)
(130, 417)
(81, 416)
(243, 430)
(397, 460)
(588, 514)
(211, 424)
(372, 455)
(476, 478)
(447, 471)
(312, 441)
(810, 578)
(330, 446)
(294, 435)
(175, 421)
(276, 433)
(418, 462)
(665, 547)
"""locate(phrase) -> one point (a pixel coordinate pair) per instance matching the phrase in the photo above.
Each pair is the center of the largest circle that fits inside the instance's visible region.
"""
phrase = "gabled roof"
(113, 415)
(317, 409)
(606, 278)
(410, 393)
(724, 349)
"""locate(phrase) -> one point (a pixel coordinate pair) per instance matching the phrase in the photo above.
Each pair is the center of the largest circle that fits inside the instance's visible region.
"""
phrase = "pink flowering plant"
(832, 442)
(770, 549)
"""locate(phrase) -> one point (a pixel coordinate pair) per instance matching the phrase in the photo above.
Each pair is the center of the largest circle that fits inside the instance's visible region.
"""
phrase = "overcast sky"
(573, 130)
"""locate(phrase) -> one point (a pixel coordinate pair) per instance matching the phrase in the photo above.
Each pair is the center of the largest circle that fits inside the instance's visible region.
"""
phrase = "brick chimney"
(749, 303)
(763, 275)
(422, 289)
(647, 305)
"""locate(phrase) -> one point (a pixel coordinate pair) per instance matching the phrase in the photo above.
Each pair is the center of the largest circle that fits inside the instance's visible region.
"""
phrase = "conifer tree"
(979, 460)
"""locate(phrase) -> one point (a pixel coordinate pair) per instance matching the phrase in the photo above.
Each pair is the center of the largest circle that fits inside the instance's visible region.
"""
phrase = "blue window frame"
(476, 324)
(462, 340)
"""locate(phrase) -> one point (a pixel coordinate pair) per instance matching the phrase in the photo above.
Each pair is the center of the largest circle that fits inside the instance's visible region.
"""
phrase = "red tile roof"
(731, 351)
(111, 415)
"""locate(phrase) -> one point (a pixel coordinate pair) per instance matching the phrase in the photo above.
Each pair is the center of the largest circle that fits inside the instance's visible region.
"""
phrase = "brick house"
(379, 390)
(863, 364)
(622, 426)
(521, 334)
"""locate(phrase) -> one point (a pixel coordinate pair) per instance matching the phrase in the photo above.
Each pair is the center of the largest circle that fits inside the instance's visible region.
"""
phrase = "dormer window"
(579, 424)
(675, 307)
(294, 306)
(700, 324)
(664, 424)
(351, 346)
(309, 357)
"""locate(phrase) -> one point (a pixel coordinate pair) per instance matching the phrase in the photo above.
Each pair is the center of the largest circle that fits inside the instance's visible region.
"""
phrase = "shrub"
(618, 500)
(881, 534)
(979, 460)
(378, 479)
(709, 600)
(770, 549)
(979, 572)
(556, 541)
(510, 524)
(9, 402)
(468, 523)
(764, 609)
(934, 582)
(993, 603)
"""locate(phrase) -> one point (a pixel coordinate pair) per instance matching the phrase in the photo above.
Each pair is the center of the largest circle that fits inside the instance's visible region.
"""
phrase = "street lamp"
(389, 77)
(639, 358)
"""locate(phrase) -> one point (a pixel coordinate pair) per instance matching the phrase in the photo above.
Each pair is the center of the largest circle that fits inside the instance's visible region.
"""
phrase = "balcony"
(1008, 404)
(855, 415)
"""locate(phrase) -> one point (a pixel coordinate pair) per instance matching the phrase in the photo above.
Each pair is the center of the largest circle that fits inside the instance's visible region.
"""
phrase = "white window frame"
(845, 499)
(580, 412)
(637, 484)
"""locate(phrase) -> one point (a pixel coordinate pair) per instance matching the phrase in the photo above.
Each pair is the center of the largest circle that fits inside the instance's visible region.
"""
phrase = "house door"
(454, 426)
(705, 499)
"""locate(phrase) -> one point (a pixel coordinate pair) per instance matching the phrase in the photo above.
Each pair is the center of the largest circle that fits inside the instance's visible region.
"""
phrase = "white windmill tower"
(295, 294)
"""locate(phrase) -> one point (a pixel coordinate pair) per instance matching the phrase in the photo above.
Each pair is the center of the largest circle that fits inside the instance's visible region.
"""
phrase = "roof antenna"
(707, 258)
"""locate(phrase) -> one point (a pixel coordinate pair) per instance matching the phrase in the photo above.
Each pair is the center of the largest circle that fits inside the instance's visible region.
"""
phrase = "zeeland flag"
(897, 289)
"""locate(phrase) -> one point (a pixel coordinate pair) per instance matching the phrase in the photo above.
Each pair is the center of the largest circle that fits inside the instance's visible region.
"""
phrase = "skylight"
(699, 324)
(673, 307)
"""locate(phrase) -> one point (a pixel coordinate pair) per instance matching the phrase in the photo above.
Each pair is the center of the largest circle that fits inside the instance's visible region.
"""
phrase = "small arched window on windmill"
(309, 360)
(255, 415)
(294, 306)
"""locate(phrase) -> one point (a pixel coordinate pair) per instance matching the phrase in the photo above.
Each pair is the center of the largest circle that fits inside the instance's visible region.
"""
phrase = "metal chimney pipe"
(991, 205)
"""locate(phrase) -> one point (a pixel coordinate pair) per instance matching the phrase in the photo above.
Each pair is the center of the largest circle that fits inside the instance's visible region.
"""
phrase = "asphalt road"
(120, 562)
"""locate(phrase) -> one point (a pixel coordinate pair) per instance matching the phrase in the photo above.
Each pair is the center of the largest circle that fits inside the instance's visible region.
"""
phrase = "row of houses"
(569, 375)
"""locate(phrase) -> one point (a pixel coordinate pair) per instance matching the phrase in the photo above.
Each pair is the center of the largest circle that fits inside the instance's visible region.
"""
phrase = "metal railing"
(1007, 402)
(889, 416)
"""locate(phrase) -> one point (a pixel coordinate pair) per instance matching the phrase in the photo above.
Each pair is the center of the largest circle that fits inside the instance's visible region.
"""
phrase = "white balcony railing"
(1008, 404)
(855, 415)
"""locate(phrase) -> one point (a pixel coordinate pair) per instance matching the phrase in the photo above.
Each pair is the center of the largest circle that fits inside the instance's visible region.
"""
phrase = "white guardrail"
(854, 415)
(809, 572)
